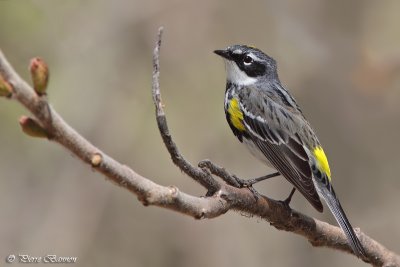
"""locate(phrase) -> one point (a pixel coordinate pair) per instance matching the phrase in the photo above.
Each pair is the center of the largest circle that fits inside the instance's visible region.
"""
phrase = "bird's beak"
(223, 53)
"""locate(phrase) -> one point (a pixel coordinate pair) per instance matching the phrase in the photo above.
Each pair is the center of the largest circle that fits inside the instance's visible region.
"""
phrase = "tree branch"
(221, 195)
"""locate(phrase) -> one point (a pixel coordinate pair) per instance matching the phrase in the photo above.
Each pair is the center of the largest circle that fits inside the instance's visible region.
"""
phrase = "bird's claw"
(247, 184)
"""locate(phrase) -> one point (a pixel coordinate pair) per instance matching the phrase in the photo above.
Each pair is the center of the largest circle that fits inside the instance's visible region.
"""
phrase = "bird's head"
(246, 65)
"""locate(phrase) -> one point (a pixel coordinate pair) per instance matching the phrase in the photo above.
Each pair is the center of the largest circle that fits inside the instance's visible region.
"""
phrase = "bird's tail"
(337, 211)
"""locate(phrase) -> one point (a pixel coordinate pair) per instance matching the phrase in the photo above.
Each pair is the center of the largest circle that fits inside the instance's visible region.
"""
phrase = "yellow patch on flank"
(322, 161)
(236, 116)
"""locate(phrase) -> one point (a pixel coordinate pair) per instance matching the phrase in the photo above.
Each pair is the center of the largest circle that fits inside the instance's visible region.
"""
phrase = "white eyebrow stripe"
(255, 57)
(237, 51)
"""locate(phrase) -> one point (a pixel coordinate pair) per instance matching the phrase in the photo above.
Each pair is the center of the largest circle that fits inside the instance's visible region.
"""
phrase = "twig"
(219, 171)
(204, 178)
(221, 197)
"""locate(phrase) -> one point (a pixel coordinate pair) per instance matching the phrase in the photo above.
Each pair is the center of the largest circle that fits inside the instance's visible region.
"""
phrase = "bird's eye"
(248, 60)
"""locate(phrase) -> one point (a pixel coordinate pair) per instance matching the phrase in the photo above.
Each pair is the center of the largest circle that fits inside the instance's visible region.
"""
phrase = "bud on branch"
(32, 128)
(40, 75)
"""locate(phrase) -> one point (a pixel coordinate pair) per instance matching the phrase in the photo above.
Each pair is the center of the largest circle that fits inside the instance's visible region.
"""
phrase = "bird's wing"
(276, 131)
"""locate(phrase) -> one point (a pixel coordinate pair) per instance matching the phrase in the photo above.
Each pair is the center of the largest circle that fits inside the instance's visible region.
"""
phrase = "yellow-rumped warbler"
(263, 115)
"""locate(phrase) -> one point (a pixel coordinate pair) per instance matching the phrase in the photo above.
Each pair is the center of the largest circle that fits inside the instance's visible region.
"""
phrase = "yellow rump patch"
(322, 161)
(235, 115)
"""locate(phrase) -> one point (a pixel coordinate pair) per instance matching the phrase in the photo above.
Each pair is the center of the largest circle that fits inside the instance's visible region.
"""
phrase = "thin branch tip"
(160, 32)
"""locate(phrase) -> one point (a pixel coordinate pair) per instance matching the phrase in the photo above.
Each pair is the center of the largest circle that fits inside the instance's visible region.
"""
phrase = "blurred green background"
(340, 59)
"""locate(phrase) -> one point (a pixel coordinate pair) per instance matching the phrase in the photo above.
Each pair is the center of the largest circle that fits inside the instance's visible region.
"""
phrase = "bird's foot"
(249, 185)
(287, 201)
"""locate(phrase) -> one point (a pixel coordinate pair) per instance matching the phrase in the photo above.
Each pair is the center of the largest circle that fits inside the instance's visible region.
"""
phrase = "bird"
(264, 116)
